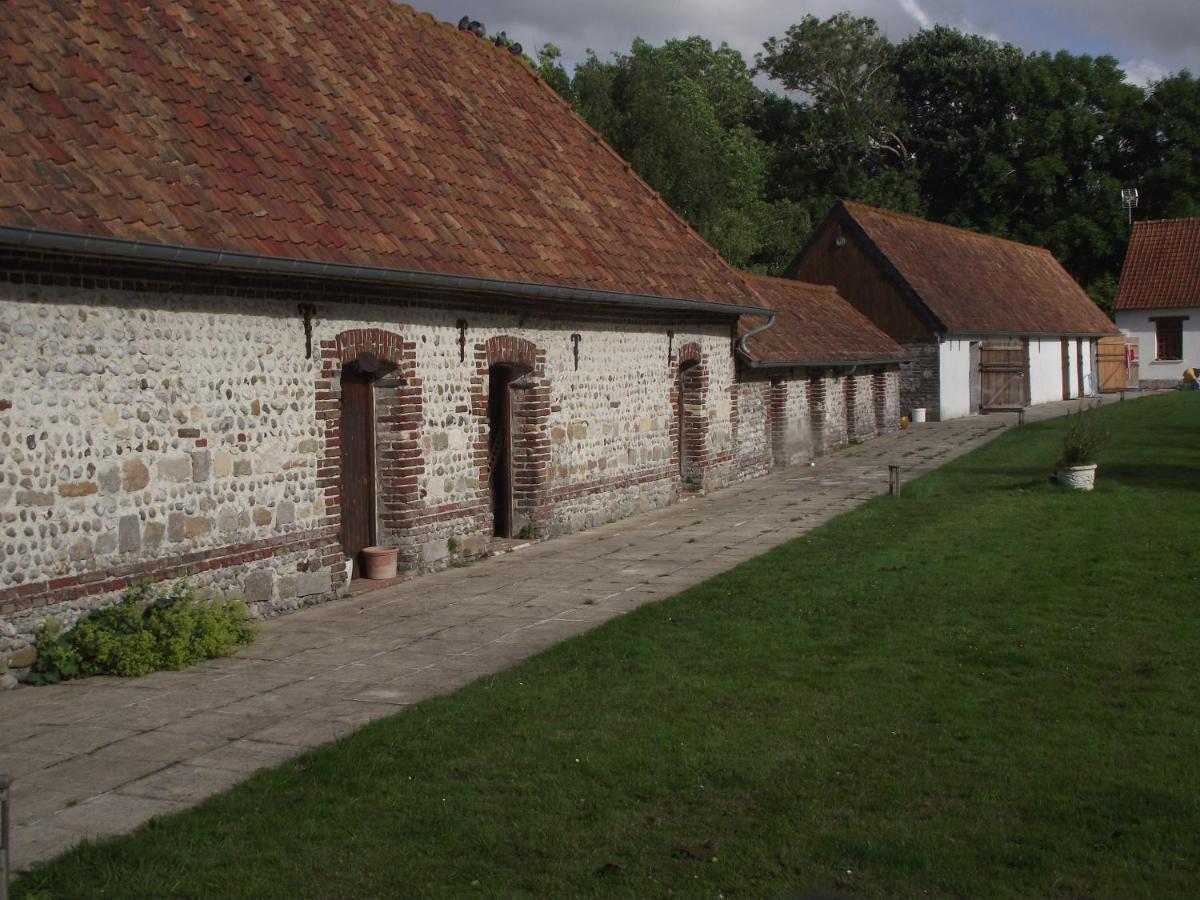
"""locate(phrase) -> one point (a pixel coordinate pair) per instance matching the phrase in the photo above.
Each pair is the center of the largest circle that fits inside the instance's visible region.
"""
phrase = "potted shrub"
(1082, 441)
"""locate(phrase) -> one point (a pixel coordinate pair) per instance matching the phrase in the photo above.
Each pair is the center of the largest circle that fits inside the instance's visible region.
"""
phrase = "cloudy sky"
(1149, 37)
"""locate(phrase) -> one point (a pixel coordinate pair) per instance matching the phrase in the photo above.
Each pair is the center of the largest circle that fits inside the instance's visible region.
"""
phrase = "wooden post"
(1020, 417)
(894, 480)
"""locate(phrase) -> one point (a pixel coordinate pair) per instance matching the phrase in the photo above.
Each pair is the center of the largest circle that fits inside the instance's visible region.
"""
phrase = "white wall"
(954, 379)
(1137, 324)
(1073, 369)
(1045, 370)
(1090, 386)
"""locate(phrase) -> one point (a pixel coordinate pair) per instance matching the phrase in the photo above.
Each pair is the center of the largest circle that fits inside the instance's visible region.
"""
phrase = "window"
(1168, 337)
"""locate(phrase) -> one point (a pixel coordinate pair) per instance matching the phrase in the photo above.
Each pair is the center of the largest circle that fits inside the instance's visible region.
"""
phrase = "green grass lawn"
(990, 687)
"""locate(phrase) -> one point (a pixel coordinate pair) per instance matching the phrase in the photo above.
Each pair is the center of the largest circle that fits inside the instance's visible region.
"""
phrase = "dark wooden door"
(500, 448)
(358, 465)
(1002, 375)
(1081, 388)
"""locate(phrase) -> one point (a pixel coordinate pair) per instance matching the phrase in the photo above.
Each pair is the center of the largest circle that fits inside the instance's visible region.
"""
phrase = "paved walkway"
(101, 756)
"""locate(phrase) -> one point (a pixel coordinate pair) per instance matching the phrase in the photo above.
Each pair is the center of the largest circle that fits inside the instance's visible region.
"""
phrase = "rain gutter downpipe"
(152, 252)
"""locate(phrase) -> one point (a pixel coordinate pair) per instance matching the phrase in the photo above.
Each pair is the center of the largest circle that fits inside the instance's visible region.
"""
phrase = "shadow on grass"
(1152, 475)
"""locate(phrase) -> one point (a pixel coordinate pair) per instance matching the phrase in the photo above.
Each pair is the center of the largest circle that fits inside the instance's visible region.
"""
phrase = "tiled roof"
(977, 284)
(815, 324)
(1162, 266)
(351, 132)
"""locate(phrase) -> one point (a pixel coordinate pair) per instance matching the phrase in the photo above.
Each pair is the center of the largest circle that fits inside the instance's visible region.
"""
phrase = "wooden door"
(358, 465)
(1003, 382)
(1080, 385)
(1112, 361)
(500, 448)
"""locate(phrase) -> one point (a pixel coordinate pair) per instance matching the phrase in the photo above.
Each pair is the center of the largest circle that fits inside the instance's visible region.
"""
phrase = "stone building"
(822, 376)
(990, 324)
(279, 281)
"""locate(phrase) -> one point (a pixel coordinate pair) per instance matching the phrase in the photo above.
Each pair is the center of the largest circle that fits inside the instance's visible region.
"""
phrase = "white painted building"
(989, 324)
(1158, 301)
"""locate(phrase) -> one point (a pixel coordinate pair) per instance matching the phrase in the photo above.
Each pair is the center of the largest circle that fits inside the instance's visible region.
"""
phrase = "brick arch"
(513, 351)
(690, 457)
(531, 441)
(398, 422)
(688, 354)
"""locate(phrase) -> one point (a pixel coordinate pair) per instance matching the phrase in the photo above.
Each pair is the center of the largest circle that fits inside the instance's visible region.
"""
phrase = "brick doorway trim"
(398, 417)
(530, 459)
(689, 423)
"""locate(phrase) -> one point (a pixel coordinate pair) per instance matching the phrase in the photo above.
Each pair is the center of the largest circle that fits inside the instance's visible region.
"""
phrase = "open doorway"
(688, 425)
(500, 449)
(357, 430)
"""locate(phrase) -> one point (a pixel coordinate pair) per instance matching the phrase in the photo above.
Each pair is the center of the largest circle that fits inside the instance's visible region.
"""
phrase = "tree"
(679, 113)
(842, 132)
(549, 66)
(1167, 147)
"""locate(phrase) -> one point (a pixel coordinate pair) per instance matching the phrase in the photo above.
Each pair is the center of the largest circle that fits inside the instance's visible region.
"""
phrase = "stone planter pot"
(380, 562)
(1079, 478)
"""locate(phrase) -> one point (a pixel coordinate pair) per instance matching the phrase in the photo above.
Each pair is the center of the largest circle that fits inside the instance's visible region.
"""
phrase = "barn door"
(1002, 375)
(358, 464)
(500, 380)
(1111, 360)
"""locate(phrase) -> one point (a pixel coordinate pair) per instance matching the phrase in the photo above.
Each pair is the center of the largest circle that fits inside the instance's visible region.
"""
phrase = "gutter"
(234, 261)
(825, 364)
(984, 335)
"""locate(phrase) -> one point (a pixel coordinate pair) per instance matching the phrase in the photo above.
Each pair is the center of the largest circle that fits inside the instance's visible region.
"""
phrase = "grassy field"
(988, 688)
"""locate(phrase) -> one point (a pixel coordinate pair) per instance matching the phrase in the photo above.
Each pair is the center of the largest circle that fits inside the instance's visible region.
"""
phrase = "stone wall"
(755, 426)
(162, 426)
(919, 379)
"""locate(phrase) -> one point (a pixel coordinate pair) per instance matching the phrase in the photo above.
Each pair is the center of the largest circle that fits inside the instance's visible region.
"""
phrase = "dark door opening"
(686, 394)
(500, 411)
(358, 464)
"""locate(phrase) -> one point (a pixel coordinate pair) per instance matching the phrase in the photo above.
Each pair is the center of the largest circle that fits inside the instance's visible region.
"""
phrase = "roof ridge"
(958, 229)
(812, 285)
(1179, 220)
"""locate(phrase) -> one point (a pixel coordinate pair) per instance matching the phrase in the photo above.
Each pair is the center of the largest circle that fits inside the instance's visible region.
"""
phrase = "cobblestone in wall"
(797, 425)
(919, 387)
(754, 450)
(137, 430)
(148, 433)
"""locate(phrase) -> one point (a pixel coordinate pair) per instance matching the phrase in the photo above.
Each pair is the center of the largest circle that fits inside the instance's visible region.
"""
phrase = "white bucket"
(918, 415)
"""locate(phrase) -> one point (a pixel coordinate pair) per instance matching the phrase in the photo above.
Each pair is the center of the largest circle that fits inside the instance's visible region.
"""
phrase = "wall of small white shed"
(954, 379)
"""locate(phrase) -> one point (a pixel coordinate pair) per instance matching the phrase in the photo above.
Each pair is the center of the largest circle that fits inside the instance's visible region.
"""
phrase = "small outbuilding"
(1158, 300)
(990, 324)
(822, 375)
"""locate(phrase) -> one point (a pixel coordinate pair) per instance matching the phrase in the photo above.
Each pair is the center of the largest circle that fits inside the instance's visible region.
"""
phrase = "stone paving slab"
(102, 756)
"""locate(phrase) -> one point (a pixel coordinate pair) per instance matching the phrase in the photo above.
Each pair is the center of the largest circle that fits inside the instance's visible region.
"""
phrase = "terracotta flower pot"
(380, 562)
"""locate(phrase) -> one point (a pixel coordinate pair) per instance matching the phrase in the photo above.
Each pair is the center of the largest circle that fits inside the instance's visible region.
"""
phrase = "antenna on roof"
(1129, 200)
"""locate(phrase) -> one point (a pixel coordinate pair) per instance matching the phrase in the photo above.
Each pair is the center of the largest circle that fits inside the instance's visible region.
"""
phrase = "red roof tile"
(351, 132)
(815, 325)
(1162, 266)
(978, 284)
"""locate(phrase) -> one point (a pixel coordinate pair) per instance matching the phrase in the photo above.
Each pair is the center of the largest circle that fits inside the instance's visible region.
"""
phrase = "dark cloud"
(1154, 36)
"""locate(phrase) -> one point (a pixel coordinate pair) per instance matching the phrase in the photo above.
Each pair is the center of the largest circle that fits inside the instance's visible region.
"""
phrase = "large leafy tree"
(1167, 149)
(680, 113)
(954, 126)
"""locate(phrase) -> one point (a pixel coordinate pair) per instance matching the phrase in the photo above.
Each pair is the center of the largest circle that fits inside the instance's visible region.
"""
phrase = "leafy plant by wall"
(152, 627)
